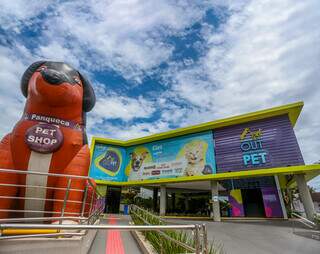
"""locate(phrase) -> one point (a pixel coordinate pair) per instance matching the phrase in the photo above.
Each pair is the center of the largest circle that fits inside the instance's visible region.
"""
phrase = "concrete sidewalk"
(258, 237)
(115, 241)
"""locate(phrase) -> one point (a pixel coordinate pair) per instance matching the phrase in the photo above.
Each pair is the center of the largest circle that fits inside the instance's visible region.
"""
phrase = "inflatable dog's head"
(57, 84)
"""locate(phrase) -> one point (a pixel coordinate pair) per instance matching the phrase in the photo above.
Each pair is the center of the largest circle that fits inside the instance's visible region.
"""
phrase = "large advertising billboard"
(185, 156)
(190, 155)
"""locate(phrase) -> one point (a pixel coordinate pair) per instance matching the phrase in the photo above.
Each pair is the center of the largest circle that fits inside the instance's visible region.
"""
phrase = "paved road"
(114, 242)
(262, 237)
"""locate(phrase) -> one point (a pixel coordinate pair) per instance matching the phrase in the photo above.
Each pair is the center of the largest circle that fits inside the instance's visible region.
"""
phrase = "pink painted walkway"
(114, 244)
(114, 241)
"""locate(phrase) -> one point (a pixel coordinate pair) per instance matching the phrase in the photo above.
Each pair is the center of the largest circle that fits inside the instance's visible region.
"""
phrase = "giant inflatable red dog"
(50, 137)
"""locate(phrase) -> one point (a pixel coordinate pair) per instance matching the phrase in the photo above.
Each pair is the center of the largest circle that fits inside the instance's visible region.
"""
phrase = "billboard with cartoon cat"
(190, 155)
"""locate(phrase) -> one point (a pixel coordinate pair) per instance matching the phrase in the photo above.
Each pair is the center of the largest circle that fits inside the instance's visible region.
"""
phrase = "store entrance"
(113, 199)
(253, 203)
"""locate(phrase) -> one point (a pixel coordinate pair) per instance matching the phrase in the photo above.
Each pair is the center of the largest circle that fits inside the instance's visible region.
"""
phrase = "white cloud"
(315, 183)
(120, 107)
(126, 36)
(57, 52)
(128, 131)
(267, 54)
(14, 14)
(11, 99)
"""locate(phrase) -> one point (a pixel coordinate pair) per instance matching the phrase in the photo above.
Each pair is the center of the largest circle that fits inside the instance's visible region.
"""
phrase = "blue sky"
(159, 65)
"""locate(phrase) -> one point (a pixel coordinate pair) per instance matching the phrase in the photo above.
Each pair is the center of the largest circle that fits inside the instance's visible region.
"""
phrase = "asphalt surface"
(126, 245)
(259, 237)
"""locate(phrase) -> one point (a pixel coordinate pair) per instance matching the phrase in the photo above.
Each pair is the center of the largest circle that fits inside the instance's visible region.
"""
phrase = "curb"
(224, 219)
(143, 244)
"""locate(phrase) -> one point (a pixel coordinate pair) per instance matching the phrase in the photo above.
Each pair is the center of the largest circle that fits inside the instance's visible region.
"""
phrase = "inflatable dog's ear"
(89, 97)
(27, 75)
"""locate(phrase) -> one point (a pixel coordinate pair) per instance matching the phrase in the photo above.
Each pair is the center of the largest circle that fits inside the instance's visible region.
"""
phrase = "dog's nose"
(53, 77)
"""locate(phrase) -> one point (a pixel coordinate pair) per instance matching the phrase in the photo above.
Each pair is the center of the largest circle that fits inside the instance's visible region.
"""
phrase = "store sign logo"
(44, 138)
(110, 161)
(251, 144)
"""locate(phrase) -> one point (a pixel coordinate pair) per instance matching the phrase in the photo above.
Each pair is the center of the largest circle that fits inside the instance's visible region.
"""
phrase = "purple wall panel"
(235, 200)
(278, 140)
(271, 202)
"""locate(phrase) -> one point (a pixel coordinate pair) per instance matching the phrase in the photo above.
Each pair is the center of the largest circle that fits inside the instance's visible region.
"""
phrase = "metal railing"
(199, 232)
(78, 200)
(311, 229)
(304, 220)
(159, 228)
(89, 207)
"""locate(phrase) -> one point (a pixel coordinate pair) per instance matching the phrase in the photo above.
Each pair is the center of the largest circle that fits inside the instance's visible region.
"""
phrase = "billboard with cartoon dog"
(107, 163)
(190, 155)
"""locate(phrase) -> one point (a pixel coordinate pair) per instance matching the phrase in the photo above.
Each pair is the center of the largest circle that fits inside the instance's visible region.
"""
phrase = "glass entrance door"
(113, 199)
(253, 202)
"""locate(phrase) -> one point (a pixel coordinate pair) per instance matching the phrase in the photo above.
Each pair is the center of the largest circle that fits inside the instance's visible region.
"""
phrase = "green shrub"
(317, 220)
(160, 243)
